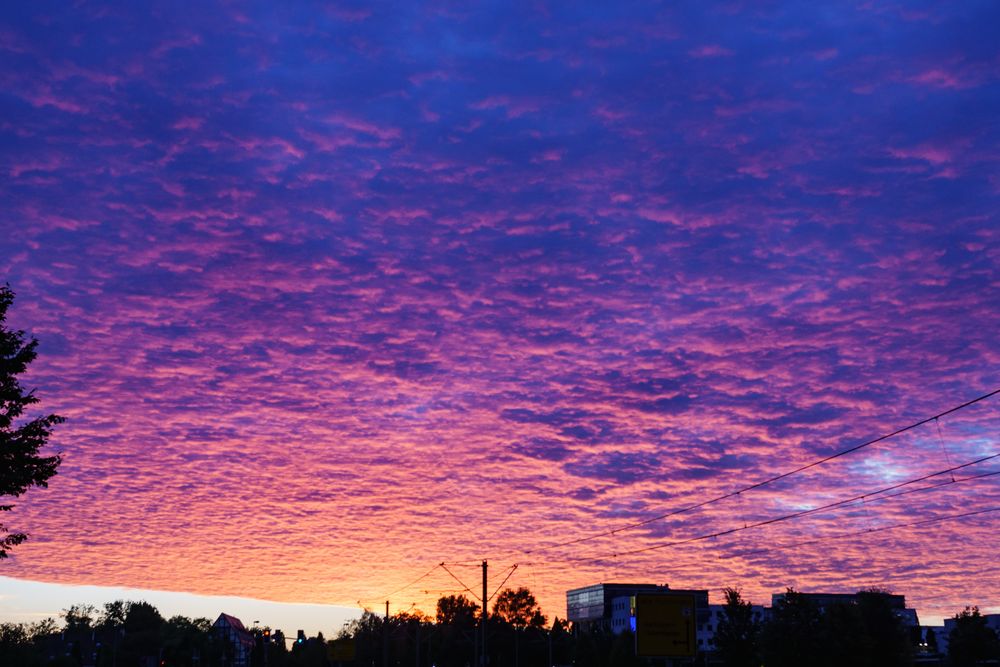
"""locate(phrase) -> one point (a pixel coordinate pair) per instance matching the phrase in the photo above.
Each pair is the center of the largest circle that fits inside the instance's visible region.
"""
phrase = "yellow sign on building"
(664, 625)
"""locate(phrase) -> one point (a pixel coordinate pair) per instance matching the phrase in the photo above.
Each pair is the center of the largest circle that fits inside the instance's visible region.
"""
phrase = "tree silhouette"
(80, 617)
(112, 625)
(455, 635)
(20, 465)
(143, 623)
(889, 642)
(16, 646)
(844, 638)
(457, 610)
(185, 641)
(519, 608)
(736, 636)
(791, 637)
(971, 641)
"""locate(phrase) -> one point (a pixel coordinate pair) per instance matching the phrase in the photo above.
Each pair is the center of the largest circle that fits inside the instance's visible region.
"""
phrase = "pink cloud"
(709, 51)
(383, 133)
(365, 327)
(515, 108)
(185, 41)
(189, 123)
(826, 54)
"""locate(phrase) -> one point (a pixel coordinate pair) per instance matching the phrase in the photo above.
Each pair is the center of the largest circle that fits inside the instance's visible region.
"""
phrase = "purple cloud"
(312, 282)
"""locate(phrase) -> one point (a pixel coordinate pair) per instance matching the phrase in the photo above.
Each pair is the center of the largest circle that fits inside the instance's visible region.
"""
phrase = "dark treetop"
(21, 467)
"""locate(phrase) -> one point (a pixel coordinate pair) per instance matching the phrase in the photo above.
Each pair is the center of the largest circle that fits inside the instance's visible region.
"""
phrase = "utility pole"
(385, 637)
(484, 616)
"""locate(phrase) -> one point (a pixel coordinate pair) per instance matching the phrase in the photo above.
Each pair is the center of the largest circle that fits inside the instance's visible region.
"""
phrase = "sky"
(29, 602)
(330, 294)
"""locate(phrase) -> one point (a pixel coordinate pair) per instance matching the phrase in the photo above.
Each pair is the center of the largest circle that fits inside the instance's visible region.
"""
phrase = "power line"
(403, 588)
(785, 517)
(509, 574)
(439, 591)
(796, 515)
(863, 532)
(759, 484)
(462, 583)
(931, 487)
(443, 566)
(764, 482)
(478, 564)
(869, 531)
(866, 496)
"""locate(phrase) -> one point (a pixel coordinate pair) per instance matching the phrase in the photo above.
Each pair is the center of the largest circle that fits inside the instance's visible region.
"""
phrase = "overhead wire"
(880, 529)
(460, 582)
(512, 568)
(764, 482)
(439, 591)
(401, 588)
(874, 496)
(785, 517)
(921, 489)
(464, 563)
(932, 487)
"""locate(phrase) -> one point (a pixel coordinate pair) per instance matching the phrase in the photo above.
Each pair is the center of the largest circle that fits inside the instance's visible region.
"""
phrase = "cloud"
(348, 290)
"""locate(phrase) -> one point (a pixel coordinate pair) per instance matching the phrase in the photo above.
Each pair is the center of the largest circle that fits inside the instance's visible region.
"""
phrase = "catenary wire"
(764, 482)
(462, 583)
(869, 531)
(513, 567)
(932, 487)
(742, 490)
(763, 550)
(402, 588)
(778, 519)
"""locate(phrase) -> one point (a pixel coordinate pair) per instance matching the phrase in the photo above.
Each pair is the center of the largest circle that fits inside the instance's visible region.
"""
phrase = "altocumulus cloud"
(467, 281)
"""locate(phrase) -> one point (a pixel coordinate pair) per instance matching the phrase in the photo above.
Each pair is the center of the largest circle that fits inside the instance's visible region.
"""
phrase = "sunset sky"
(331, 295)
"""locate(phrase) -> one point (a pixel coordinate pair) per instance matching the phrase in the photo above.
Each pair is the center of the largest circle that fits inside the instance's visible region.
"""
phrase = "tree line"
(123, 633)
(866, 633)
(135, 634)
